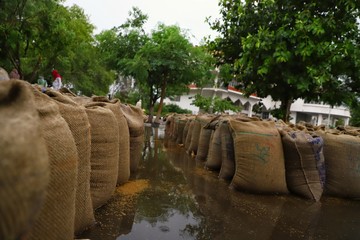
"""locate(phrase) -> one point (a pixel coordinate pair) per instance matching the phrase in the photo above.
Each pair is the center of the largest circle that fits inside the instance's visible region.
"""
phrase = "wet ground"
(174, 197)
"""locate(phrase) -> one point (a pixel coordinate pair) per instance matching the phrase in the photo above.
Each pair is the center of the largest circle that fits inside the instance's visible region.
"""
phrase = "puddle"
(173, 197)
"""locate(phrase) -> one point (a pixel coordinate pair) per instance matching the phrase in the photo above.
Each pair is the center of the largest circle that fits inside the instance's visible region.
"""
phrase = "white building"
(316, 114)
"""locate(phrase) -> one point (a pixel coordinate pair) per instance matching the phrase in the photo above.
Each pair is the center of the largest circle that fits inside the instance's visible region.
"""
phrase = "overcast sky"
(187, 14)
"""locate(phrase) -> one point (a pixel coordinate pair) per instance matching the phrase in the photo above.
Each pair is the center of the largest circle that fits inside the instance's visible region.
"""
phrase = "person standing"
(42, 83)
(57, 83)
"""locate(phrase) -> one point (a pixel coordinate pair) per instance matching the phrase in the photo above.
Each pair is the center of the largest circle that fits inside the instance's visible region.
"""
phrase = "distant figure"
(57, 84)
(42, 83)
(14, 74)
(3, 74)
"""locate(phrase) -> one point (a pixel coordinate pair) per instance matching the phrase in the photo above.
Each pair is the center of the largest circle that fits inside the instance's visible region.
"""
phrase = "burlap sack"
(78, 122)
(259, 157)
(175, 127)
(342, 164)
(194, 141)
(24, 160)
(82, 100)
(304, 162)
(135, 120)
(67, 92)
(169, 127)
(181, 126)
(204, 137)
(104, 153)
(214, 157)
(124, 138)
(189, 134)
(186, 130)
(167, 131)
(227, 170)
(57, 217)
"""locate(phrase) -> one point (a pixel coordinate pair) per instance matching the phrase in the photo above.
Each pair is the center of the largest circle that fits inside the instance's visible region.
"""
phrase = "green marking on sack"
(259, 134)
(262, 153)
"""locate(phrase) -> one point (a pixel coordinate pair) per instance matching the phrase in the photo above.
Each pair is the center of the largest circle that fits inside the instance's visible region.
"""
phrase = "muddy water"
(184, 201)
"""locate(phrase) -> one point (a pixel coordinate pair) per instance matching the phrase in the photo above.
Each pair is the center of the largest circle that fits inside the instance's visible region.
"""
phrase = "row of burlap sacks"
(61, 158)
(272, 157)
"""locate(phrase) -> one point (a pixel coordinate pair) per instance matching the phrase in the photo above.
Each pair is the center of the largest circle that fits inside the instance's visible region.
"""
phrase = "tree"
(291, 49)
(214, 104)
(119, 45)
(355, 115)
(34, 41)
(168, 63)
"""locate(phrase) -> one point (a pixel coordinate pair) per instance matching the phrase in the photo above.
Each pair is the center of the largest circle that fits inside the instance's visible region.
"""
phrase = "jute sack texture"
(259, 157)
(342, 162)
(204, 137)
(169, 126)
(175, 127)
(104, 152)
(196, 129)
(186, 130)
(135, 120)
(181, 126)
(214, 157)
(227, 169)
(124, 138)
(57, 216)
(168, 130)
(304, 163)
(78, 122)
(24, 160)
(189, 135)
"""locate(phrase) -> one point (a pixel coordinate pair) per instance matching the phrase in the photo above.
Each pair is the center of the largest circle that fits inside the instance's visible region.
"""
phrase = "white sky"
(187, 14)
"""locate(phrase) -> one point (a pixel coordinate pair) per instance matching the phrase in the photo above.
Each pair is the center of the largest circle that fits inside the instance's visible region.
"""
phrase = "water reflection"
(167, 209)
(185, 201)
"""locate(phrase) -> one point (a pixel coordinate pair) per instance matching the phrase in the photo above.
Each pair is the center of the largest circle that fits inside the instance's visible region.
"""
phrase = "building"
(314, 113)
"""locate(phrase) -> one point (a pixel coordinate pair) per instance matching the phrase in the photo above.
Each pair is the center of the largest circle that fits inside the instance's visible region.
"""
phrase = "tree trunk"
(151, 106)
(151, 113)
(285, 108)
(162, 97)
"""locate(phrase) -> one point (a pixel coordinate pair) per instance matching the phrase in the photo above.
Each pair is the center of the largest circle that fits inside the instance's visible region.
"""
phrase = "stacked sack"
(305, 163)
(78, 122)
(57, 215)
(259, 157)
(24, 161)
(61, 157)
(135, 121)
(274, 157)
(342, 162)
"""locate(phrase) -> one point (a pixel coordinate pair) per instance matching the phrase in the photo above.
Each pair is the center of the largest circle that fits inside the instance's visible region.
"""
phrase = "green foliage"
(339, 122)
(291, 49)
(204, 103)
(167, 63)
(119, 45)
(172, 108)
(214, 105)
(131, 97)
(34, 41)
(221, 105)
(226, 74)
(355, 115)
(277, 113)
